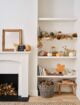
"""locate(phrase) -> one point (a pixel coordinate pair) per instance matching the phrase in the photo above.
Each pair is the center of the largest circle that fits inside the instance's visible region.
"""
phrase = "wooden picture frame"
(4, 37)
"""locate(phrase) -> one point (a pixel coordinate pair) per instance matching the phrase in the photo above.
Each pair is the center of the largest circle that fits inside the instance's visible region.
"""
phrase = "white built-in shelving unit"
(57, 15)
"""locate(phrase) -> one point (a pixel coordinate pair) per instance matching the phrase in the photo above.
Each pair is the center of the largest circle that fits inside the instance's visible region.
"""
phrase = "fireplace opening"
(8, 86)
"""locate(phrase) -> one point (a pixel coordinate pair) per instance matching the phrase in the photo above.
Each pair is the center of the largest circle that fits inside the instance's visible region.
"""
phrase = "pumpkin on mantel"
(28, 48)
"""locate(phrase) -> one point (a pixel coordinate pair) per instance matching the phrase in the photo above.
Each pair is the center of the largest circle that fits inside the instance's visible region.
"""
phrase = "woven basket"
(46, 91)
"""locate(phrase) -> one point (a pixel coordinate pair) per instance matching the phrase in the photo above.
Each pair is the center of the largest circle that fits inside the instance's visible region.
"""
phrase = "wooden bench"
(72, 85)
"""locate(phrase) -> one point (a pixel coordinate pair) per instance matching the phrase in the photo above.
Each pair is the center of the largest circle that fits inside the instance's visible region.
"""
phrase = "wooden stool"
(72, 85)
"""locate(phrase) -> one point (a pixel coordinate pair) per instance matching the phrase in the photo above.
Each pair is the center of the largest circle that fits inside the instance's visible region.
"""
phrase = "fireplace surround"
(15, 65)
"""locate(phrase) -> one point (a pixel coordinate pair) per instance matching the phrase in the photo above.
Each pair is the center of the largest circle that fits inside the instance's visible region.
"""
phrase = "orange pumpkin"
(28, 48)
(60, 68)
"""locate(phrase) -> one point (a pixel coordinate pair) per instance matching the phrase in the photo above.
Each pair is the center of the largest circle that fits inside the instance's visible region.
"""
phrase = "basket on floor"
(46, 89)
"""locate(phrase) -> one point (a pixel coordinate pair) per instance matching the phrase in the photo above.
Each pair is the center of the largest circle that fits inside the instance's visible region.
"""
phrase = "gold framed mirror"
(10, 37)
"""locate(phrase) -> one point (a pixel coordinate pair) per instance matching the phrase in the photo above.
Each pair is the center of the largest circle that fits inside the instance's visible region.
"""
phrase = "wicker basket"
(46, 91)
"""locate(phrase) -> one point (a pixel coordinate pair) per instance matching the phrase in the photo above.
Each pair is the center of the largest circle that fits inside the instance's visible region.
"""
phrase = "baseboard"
(78, 96)
(33, 93)
(78, 93)
(23, 99)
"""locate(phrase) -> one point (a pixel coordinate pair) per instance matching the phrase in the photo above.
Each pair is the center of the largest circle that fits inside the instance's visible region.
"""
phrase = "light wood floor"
(56, 98)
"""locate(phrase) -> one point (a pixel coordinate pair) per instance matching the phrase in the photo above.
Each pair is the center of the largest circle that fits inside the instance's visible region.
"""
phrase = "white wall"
(77, 28)
(22, 14)
(54, 8)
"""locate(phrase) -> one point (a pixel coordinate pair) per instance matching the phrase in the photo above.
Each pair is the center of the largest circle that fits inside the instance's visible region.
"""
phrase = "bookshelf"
(54, 16)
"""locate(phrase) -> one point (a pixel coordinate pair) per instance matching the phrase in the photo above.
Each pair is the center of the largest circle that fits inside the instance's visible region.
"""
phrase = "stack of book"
(41, 71)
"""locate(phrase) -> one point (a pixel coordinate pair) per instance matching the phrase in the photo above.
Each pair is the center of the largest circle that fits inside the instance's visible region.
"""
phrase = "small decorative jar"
(49, 54)
(71, 54)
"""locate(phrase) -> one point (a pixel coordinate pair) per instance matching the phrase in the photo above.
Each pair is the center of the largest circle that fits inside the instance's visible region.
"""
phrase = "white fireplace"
(16, 63)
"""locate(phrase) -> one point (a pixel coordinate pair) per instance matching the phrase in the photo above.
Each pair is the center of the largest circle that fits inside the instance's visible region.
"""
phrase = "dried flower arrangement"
(69, 52)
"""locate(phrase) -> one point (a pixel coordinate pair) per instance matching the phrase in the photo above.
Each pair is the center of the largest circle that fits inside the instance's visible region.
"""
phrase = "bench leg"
(74, 90)
(59, 89)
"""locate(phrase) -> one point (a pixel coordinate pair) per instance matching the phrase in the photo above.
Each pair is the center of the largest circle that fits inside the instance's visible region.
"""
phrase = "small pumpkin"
(28, 48)
(60, 68)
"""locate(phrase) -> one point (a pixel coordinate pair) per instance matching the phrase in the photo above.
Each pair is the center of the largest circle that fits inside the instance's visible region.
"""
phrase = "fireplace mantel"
(16, 63)
(13, 56)
(15, 52)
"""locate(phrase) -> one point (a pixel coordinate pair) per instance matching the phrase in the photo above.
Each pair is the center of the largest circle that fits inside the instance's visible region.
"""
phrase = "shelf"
(52, 57)
(63, 77)
(57, 19)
